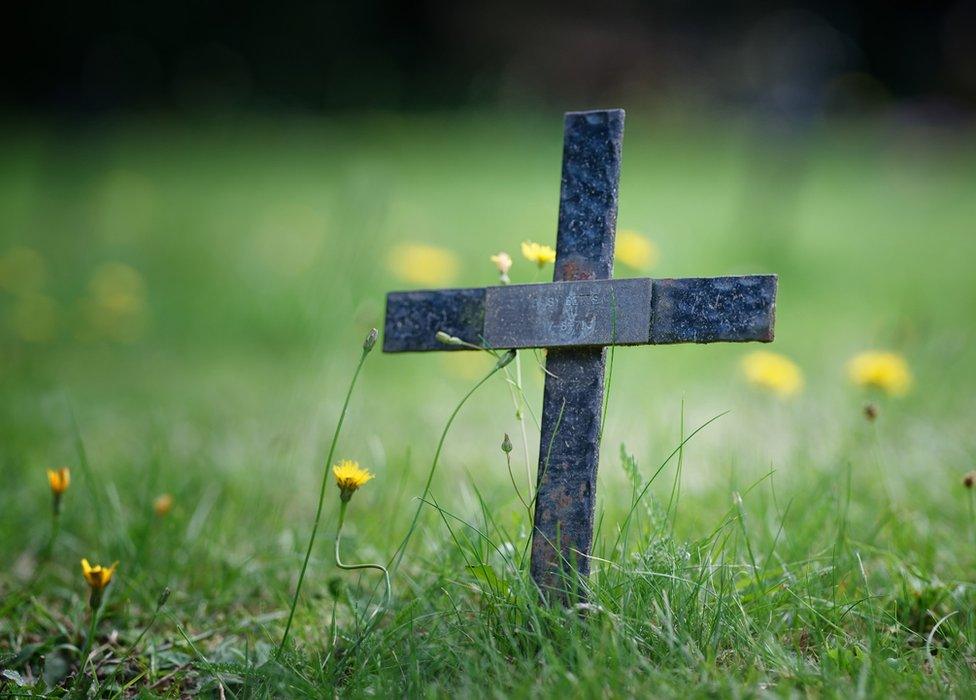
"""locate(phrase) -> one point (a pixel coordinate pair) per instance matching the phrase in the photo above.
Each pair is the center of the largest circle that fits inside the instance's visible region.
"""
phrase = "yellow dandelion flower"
(886, 371)
(636, 251)
(118, 286)
(163, 504)
(97, 576)
(116, 304)
(773, 372)
(540, 254)
(59, 480)
(503, 261)
(419, 263)
(349, 477)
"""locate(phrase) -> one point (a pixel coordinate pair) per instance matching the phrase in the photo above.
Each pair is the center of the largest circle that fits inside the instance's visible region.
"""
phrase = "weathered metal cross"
(576, 317)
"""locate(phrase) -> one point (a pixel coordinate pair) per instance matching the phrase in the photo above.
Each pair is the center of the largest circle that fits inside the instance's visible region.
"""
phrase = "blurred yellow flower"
(34, 318)
(59, 480)
(163, 504)
(117, 302)
(774, 372)
(887, 371)
(97, 576)
(635, 250)
(22, 270)
(540, 254)
(419, 263)
(349, 477)
(503, 261)
(117, 285)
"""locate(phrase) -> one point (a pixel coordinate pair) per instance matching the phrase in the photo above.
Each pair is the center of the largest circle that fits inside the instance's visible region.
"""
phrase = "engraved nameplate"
(560, 314)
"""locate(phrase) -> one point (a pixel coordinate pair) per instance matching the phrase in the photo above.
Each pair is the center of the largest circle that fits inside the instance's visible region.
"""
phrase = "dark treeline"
(436, 54)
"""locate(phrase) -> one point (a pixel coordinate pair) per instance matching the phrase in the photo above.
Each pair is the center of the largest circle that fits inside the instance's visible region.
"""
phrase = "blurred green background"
(202, 208)
(198, 294)
(201, 212)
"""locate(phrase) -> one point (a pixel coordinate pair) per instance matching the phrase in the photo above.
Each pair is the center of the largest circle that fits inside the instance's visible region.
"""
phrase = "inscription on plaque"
(593, 312)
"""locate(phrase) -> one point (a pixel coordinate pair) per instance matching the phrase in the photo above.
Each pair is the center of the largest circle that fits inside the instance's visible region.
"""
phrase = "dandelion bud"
(442, 337)
(370, 340)
(162, 504)
(870, 411)
(59, 481)
(506, 359)
(506, 444)
(969, 480)
(503, 261)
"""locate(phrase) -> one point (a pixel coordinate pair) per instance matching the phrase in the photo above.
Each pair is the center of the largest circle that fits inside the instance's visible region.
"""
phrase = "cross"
(575, 318)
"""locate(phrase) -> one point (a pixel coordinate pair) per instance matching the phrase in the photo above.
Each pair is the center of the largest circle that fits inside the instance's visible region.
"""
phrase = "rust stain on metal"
(574, 269)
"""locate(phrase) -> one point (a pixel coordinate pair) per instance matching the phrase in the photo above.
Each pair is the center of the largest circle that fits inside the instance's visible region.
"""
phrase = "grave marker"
(576, 317)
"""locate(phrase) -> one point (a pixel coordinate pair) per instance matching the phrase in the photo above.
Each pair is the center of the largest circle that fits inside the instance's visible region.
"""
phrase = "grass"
(785, 548)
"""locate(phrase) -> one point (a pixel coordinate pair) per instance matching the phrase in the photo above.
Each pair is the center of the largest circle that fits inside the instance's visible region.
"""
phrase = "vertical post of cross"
(569, 450)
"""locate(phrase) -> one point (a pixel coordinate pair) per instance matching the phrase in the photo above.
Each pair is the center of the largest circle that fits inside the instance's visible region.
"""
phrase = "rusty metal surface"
(573, 399)
(564, 508)
(592, 312)
(592, 145)
(413, 318)
(573, 314)
(713, 309)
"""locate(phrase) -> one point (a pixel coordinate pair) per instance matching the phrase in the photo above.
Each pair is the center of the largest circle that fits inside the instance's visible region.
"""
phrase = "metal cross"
(576, 317)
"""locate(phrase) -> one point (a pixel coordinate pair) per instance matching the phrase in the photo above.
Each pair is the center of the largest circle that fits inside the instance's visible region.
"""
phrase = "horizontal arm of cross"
(586, 313)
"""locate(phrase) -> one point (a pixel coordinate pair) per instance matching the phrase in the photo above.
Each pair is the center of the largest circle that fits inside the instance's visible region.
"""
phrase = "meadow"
(182, 306)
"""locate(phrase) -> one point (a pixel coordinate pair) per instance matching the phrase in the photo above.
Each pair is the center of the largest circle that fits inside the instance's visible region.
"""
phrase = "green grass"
(789, 548)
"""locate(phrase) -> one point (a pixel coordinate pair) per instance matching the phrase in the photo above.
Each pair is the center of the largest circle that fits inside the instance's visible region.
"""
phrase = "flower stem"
(398, 555)
(511, 475)
(521, 419)
(354, 567)
(318, 510)
(972, 512)
(55, 530)
(517, 395)
(86, 649)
